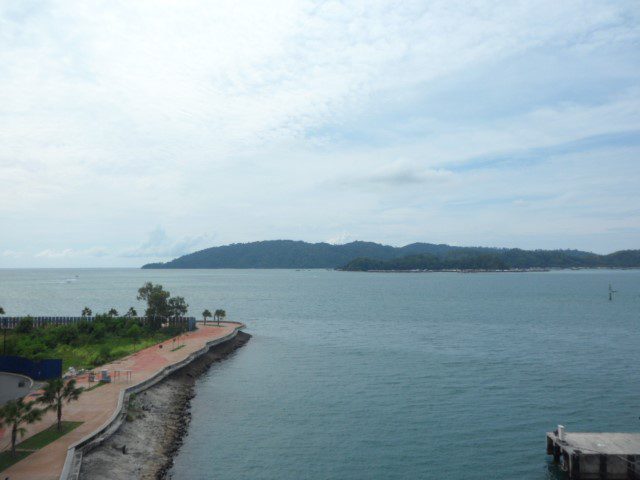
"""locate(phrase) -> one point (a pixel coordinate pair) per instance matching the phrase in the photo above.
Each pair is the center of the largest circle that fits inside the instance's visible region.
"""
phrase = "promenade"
(95, 407)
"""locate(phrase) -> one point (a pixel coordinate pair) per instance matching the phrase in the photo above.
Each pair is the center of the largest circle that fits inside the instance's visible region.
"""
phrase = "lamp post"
(4, 335)
(4, 332)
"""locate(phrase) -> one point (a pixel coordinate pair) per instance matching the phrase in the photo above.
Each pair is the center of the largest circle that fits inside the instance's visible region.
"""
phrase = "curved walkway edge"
(73, 461)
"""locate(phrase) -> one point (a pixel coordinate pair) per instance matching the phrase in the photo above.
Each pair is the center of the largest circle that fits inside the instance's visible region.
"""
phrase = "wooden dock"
(595, 456)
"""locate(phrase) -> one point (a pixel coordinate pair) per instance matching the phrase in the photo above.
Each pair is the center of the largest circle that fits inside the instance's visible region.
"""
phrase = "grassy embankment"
(34, 443)
(85, 344)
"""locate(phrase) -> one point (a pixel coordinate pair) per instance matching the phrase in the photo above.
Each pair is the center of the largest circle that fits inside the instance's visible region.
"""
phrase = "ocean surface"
(386, 375)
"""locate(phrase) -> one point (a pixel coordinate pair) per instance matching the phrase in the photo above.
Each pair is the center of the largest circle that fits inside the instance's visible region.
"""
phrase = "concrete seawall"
(73, 462)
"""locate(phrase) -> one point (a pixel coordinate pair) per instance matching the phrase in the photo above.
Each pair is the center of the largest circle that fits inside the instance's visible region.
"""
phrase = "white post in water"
(561, 433)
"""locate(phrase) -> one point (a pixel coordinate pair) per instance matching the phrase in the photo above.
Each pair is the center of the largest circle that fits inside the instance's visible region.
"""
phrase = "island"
(368, 256)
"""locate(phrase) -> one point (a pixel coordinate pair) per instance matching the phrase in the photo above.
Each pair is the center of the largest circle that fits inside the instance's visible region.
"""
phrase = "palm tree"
(86, 312)
(206, 314)
(113, 312)
(132, 312)
(222, 314)
(56, 392)
(15, 413)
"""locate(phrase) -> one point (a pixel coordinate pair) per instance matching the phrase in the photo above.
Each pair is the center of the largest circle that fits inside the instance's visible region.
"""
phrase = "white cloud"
(51, 253)
(402, 172)
(341, 239)
(160, 245)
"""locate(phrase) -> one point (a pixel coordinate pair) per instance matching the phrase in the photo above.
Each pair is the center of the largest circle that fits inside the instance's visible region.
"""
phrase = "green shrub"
(84, 326)
(134, 332)
(66, 334)
(25, 325)
(104, 354)
(99, 331)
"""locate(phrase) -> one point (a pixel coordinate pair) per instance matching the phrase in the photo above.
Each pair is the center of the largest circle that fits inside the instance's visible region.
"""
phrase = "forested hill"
(507, 259)
(297, 254)
(280, 254)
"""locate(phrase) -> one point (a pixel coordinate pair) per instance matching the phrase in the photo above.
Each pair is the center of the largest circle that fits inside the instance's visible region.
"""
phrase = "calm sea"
(387, 376)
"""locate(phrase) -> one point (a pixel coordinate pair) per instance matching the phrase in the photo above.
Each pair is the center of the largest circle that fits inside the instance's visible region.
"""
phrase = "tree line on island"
(470, 259)
(374, 256)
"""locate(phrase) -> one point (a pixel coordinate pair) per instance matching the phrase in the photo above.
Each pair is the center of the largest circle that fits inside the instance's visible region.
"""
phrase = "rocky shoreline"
(157, 420)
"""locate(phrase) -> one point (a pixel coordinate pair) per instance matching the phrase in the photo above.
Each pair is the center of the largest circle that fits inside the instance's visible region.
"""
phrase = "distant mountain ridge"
(299, 254)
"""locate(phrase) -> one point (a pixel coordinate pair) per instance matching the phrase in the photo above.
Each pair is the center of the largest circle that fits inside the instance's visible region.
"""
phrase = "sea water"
(386, 375)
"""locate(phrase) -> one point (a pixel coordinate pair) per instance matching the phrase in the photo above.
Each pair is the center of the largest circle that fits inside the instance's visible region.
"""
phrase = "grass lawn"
(47, 436)
(93, 387)
(36, 442)
(6, 460)
(85, 344)
(88, 355)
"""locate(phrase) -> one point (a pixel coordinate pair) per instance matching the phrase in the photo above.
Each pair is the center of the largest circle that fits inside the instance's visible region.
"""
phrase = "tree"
(157, 303)
(131, 312)
(134, 333)
(113, 312)
(15, 413)
(25, 325)
(219, 314)
(56, 393)
(178, 307)
(86, 312)
(206, 314)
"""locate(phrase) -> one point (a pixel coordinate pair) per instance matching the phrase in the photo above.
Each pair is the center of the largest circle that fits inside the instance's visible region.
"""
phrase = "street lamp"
(4, 334)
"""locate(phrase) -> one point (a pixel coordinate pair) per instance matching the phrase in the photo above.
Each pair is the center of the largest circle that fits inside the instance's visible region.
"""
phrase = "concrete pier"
(595, 456)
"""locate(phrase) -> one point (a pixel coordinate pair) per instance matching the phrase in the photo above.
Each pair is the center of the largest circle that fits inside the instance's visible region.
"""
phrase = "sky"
(135, 132)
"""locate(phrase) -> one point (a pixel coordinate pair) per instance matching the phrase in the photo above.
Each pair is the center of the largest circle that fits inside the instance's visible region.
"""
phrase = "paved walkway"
(94, 408)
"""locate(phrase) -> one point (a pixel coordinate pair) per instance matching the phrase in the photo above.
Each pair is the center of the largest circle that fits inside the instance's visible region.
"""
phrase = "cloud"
(160, 245)
(407, 173)
(50, 253)
(302, 119)
(341, 239)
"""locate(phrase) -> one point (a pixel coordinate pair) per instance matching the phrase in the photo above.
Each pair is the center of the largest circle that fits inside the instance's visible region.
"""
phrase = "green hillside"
(374, 256)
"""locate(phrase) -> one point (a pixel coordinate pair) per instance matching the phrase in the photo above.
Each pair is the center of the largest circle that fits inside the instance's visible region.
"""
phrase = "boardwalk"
(97, 406)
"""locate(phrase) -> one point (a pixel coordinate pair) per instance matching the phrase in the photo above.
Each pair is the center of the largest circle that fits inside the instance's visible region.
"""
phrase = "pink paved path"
(94, 408)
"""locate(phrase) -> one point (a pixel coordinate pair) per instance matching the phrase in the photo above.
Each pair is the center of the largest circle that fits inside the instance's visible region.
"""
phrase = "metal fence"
(12, 322)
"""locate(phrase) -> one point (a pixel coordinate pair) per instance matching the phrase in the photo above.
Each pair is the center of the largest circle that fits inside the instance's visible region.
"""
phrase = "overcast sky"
(139, 131)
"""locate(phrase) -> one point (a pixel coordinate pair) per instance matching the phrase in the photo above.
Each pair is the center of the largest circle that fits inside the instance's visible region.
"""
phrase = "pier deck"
(593, 456)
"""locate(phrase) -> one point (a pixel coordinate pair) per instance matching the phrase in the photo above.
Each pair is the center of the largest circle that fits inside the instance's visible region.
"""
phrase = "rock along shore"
(157, 420)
